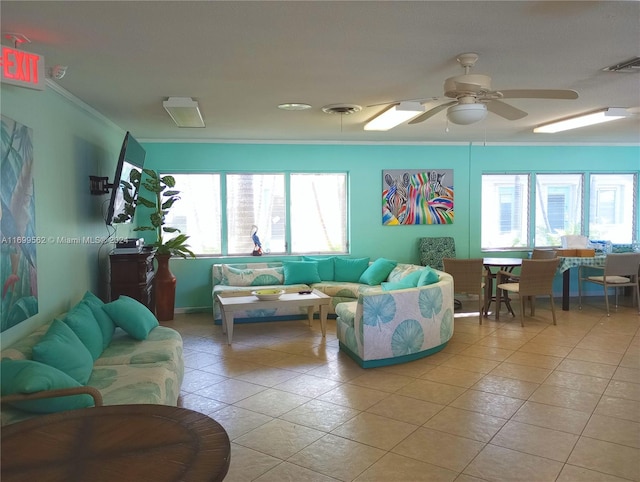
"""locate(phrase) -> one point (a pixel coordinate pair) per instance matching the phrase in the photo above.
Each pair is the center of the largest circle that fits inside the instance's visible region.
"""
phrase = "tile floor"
(500, 402)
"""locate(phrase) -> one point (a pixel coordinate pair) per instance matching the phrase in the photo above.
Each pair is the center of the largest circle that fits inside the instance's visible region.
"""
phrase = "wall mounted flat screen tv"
(126, 182)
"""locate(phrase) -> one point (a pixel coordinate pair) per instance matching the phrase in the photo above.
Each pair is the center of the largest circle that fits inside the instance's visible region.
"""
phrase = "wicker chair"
(620, 269)
(536, 278)
(468, 277)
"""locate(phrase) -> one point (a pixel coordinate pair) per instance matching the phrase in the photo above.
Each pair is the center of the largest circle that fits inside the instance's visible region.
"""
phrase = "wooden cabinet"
(132, 275)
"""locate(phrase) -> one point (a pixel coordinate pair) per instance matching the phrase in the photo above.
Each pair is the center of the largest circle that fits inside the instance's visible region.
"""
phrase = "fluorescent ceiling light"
(184, 111)
(604, 115)
(395, 115)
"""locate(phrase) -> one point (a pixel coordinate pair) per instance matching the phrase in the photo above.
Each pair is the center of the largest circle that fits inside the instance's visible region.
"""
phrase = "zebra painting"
(417, 197)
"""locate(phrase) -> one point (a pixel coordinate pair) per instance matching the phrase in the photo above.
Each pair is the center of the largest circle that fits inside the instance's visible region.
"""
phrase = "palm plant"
(165, 197)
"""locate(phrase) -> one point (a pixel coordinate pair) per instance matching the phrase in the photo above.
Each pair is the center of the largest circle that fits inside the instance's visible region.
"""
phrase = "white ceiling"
(241, 59)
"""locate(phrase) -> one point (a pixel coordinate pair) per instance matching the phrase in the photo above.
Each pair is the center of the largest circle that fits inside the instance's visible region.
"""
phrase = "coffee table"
(116, 443)
(232, 303)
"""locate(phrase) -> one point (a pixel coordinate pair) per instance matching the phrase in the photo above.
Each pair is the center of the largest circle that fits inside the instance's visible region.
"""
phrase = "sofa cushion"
(252, 276)
(296, 272)
(106, 324)
(132, 316)
(326, 267)
(350, 269)
(28, 376)
(162, 345)
(428, 277)
(153, 383)
(338, 289)
(81, 320)
(377, 271)
(61, 348)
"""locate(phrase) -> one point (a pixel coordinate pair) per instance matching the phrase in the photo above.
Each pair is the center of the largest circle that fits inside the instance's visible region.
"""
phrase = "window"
(561, 204)
(613, 198)
(558, 207)
(197, 213)
(505, 205)
(221, 211)
(318, 213)
(256, 200)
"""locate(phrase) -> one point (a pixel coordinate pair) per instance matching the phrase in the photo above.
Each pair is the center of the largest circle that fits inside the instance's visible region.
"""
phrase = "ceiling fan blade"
(432, 112)
(505, 110)
(539, 94)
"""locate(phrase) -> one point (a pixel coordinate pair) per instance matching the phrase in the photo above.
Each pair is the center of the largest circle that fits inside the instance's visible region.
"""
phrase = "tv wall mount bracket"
(99, 185)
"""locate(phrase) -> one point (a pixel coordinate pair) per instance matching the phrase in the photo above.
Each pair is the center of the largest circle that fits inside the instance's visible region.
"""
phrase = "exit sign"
(21, 68)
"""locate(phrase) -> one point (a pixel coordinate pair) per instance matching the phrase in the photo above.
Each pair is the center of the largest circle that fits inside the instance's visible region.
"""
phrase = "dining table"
(568, 262)
(493, 266)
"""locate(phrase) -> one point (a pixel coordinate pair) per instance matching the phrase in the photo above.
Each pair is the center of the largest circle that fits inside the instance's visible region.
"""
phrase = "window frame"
(223, 201)
(587, 200)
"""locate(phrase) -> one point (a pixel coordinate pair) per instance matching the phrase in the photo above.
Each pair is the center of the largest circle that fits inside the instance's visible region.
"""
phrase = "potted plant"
(164, 198)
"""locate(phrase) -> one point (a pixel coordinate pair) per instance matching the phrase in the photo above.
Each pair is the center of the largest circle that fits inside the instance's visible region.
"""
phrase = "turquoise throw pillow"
(412, 278)
(81, 320)
(428, 277)
(304, 272)
(106, 324)
(378, 271)
(395, 285)
(61, 348)
(29, 376)
(350, 269)
(132, 316)
(325, 266)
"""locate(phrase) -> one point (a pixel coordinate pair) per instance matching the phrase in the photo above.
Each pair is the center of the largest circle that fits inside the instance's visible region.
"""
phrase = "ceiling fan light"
(465, 114)
(394, 116)
(184, 111)
(591, 118)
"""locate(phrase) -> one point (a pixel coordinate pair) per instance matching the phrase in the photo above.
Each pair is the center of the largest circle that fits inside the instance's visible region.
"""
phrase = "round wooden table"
(116, 443)
(504, 264)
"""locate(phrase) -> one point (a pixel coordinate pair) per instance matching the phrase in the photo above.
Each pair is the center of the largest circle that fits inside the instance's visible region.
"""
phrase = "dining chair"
(619, 270)
(536, 278)
(468, 277)
(543, 253)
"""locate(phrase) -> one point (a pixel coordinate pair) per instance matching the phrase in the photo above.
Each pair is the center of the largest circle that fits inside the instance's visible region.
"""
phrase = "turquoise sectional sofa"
(386, 312)
(109, 354)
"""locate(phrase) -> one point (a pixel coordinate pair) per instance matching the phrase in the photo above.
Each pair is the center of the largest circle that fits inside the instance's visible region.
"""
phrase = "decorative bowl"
(267, 295)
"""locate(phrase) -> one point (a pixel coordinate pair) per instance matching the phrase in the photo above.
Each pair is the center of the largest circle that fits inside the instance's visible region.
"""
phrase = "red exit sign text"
(22, 68)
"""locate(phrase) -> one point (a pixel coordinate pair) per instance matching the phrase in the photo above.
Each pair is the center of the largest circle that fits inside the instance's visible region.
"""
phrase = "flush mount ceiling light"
(603, 115)
(294, 106)
(394, 115)
(184, 111)
(465, 114)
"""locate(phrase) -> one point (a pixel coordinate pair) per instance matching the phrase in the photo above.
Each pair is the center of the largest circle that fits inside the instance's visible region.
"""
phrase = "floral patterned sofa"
(132, 367)
(392, 321)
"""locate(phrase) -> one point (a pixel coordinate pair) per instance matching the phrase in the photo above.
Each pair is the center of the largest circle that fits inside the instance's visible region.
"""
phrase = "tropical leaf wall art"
(417, 197)
(18, 273)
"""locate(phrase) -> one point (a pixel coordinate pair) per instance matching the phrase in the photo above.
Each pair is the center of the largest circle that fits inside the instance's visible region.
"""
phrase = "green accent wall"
(70, 143)
(365, 164)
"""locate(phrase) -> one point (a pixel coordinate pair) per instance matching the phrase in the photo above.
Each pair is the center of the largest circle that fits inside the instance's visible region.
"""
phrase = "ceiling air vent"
(631, 65)
(341, 109)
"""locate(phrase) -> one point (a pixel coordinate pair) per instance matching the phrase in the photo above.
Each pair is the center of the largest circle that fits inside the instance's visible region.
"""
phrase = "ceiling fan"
(473, 97)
